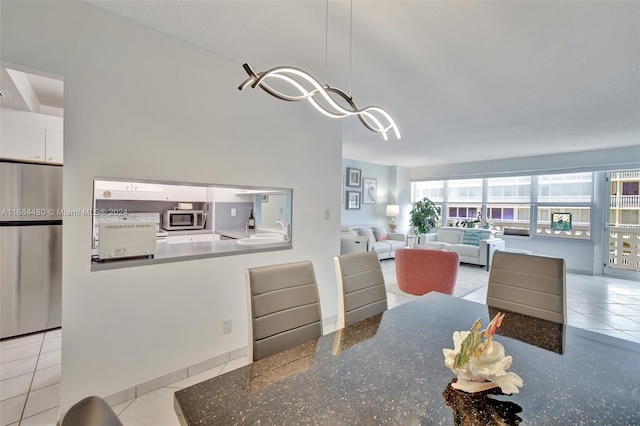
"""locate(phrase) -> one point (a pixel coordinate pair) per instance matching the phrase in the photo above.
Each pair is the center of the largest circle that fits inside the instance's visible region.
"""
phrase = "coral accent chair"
(420, 271)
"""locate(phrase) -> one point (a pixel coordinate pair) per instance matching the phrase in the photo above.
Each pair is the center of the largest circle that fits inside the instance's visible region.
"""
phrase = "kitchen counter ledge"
(168, 253)
(240, 233)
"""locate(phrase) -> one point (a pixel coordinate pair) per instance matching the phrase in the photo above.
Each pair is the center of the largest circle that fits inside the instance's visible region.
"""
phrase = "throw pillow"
(381, 233)
(471, 237)
(367, 232)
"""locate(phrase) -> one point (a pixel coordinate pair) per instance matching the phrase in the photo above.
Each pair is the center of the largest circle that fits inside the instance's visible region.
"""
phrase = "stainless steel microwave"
(175, 220)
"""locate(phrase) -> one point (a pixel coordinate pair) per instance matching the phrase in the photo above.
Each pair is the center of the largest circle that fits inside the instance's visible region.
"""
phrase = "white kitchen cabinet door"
(195, 238)
(151, 187)
(112, 185)
(53, 146)
(20, 142)
(185, 193)
(128, 186)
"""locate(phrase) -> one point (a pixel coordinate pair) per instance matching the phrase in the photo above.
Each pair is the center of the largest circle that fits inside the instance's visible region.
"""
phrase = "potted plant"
(469, 223)
(487, 224)
(423, 217)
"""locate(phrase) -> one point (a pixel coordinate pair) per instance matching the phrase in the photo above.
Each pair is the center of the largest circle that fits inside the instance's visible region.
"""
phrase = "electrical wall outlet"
(227, 326)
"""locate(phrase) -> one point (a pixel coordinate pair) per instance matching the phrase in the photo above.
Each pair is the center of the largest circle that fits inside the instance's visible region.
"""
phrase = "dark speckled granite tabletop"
(390, 370)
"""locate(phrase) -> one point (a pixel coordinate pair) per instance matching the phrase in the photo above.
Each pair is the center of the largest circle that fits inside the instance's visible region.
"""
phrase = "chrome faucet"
(285, 227)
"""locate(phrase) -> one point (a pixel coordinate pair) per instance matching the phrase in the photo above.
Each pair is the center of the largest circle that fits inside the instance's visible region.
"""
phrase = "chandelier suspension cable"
(326, 45)
(350, 41)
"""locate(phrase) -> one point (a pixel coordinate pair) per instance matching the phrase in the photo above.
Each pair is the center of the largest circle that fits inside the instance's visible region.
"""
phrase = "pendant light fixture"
(306, 87)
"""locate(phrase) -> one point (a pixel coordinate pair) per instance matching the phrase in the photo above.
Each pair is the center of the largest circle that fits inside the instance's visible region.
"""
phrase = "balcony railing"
(579, 231)
(572, 177)
(625, 201)
(629, 175)
(624, 248)
(564, 199)
(512, 199)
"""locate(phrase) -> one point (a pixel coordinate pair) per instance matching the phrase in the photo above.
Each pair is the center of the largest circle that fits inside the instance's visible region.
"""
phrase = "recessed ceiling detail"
(31, 92)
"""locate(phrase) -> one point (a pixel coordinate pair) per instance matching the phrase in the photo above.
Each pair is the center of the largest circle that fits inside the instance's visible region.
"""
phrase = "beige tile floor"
(30, 379)
(30, 365)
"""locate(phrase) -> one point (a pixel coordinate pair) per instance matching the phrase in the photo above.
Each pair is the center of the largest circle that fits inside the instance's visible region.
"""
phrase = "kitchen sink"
(273, 235)
(256, 241)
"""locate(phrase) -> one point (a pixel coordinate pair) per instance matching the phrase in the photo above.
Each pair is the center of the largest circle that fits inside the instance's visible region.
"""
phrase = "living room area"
(601, 267)
(599, 206)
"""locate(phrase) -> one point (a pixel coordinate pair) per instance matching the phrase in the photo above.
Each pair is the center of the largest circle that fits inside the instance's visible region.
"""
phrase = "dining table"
(389, 370)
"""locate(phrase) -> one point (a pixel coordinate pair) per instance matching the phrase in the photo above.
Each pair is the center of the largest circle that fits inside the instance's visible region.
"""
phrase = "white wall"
(368, 214)
(579, 256)
(142, 105)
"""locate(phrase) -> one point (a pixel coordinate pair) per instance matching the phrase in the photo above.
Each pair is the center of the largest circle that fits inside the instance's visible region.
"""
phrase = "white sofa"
(451, 239)
(351, 241)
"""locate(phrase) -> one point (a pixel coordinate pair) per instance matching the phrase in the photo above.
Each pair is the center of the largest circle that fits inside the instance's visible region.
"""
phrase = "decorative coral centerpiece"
(479, 362)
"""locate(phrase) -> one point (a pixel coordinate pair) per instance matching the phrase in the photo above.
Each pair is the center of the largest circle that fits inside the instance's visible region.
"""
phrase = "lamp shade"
(393, 210)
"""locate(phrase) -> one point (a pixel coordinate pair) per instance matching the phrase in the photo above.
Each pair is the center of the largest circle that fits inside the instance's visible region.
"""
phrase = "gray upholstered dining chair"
(284, 307)
(528, 284)
(361, 289)
(91, 411)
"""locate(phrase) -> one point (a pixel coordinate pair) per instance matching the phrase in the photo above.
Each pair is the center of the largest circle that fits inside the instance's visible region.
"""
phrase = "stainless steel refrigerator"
(30, 248)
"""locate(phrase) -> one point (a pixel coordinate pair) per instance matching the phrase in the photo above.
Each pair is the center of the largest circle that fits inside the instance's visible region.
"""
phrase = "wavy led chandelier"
(374, 118)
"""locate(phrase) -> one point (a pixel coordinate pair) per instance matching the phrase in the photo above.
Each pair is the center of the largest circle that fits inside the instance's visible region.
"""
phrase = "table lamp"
(393, 211)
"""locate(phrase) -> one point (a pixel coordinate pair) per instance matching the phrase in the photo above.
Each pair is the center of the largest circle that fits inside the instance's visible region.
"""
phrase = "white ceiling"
(466, 81)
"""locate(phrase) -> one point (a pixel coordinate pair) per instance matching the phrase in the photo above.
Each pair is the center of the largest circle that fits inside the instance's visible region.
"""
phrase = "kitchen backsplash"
(224, 220)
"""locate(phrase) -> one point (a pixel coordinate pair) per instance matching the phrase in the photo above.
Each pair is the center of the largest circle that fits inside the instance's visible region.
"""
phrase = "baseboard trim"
(172, 377)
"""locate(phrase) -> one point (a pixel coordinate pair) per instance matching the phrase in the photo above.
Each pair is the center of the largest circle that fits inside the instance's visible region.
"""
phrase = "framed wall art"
(354, 177)
(369, 190)
(353, 200)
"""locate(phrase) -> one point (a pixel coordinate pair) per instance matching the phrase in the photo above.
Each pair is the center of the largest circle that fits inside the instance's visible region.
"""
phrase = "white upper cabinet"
(185, 193)
(30, 137)
(18, 142)
(128, 186)
(129, 190)
(152, 187)
(53, 146)
(126, 190)
(112, 185)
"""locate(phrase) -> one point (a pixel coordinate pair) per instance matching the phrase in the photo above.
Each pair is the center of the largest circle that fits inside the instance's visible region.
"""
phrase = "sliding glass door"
(622, 227)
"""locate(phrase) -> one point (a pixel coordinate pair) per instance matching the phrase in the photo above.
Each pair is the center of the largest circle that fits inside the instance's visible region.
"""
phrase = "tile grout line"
(35, 368)
(31, 385)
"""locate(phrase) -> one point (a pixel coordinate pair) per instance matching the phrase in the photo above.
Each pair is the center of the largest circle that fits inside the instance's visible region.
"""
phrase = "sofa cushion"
(380, 233)
(471, 237)
(465, 250)
(451, 236)
(395, 244)
(381, 247)
(429, 246)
